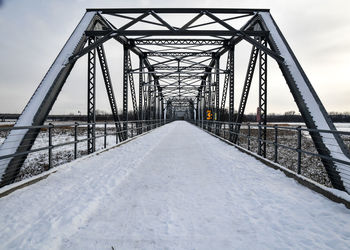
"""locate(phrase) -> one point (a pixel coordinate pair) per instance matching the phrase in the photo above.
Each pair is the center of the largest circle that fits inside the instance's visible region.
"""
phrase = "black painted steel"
(245, 92)
(125, 92)
(109, 88)
(183, 72)
(132, 86)
(262, 99)
(91, 97)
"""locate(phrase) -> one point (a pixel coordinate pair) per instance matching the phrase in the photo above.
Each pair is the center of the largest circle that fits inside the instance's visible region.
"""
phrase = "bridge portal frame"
(260, 31)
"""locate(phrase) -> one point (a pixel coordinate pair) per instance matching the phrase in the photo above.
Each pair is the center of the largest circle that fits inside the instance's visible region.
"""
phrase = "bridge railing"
(57, 144)
(290, 146)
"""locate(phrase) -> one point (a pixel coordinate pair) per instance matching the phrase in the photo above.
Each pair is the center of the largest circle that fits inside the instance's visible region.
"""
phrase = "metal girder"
(217, 94)
(125, 42)
(217, 87)
(132, 86)
(154, 95)
(210, 103)
(125, 91)
(197, 42)
(177, 10)
(245, 92)
(109, 88)
(41, 102)
(107, 34)
(181, 68)
(232, 42)
(226, 82)
(231, 109)
(179, 54)
(262, 99)
(334, 173)
(91, 46)
(140, 88)
(149, 99)
(183, 76)
(91, 98)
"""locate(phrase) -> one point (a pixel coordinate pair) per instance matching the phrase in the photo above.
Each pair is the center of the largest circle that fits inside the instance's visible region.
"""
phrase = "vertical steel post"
(91, 115)
(141, 116)
(155, 94)
(210, 106)
(263, 97)
(217, 87)
(217, 94)
(231, 90)
(125, 92)
(149, 90)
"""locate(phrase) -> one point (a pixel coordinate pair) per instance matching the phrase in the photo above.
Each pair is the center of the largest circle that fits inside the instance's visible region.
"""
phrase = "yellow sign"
(209, 115)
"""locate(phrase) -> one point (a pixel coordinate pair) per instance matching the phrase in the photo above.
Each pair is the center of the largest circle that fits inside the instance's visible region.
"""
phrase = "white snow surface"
(314, 109)
(174, 188)
(26, 119)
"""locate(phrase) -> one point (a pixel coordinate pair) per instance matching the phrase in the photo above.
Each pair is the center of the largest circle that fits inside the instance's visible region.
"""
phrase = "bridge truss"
(178, 73)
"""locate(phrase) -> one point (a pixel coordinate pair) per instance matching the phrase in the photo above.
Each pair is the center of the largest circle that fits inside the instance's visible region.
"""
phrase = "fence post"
(116, 133)
(248, 136)
(75, 140)
(94, 136)
(276, 143)
(132, 129)
(105, 135)
(299, 149)
(259, 139)
(224, 131)
(50, 144)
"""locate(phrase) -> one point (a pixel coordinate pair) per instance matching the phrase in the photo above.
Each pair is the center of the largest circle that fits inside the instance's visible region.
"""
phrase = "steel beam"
(109, 88)
(125, 91)
(245, 91)
(132, 86)
(262, 100)
(107, 34)
(232, 89)
(179, 54)
(226, 83)
(217, 94)
(198, 42)
(91, 98)
(141, 88)
(177, 10)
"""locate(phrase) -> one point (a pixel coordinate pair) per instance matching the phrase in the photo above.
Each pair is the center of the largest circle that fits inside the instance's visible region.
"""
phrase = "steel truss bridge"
(177, 74)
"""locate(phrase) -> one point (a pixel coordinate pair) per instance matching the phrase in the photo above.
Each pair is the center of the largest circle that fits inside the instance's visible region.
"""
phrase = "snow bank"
(174, 188)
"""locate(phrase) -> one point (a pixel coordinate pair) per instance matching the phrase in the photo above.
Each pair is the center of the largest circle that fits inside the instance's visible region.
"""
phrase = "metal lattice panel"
(91, 104)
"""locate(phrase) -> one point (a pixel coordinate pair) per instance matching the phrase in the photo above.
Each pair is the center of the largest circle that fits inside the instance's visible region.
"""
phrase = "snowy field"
(174, 188)
(37, 162)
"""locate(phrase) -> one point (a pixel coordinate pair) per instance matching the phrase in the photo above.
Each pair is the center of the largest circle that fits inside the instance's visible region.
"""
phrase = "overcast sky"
(33, 32)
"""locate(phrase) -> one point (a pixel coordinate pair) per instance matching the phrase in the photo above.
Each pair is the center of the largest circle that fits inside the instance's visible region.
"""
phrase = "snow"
(309, 100)
(26, 119)
(174, 188)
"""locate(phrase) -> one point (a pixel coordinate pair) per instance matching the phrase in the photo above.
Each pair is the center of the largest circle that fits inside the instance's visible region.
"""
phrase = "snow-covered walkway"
(174, 188)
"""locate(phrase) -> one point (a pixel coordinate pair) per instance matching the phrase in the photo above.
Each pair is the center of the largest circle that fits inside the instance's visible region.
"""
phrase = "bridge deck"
(175, 187)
